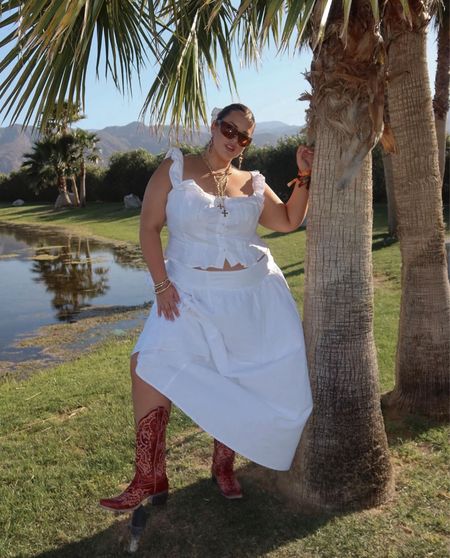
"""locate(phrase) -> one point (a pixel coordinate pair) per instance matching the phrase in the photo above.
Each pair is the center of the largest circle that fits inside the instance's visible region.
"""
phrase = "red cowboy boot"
(222, 471)
(150, 481)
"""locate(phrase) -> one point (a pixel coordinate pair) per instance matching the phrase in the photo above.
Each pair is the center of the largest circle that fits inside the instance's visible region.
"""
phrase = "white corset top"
(200, 235)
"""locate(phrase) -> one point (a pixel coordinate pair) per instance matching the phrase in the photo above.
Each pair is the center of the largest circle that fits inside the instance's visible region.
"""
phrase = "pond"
(48, 277)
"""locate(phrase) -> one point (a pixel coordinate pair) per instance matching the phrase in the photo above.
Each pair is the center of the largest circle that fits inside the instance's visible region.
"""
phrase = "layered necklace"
(221, 180)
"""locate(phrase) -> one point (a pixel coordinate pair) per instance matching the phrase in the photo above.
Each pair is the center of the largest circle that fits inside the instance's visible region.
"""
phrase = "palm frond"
(440, 13)
(199, 33)
(51, 45)
(52, 42)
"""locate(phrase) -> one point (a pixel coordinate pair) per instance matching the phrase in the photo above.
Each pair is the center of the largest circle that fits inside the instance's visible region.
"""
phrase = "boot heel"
(158, 499)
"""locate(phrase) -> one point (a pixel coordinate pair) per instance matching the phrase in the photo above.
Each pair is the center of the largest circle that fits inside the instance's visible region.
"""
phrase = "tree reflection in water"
(68, 272)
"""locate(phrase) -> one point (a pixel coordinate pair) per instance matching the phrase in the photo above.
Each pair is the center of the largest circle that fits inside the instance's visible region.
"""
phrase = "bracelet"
(301, 180)
(161, 290)
(304, 180)
(161, 283)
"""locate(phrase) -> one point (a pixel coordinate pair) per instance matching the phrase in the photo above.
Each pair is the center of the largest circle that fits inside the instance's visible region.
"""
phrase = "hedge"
(129, 172)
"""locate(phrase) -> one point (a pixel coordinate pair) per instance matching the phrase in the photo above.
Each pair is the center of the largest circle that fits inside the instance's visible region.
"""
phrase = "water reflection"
(69, 274)
(48, 277)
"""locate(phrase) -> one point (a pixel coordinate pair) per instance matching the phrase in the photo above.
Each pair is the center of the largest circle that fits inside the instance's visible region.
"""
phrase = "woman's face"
(226, 147)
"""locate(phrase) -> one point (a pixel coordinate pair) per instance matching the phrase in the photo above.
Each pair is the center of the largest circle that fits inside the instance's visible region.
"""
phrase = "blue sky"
(271, 90)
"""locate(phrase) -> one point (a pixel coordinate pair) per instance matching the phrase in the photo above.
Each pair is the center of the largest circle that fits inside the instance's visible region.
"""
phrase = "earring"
(241, 158)
(210, 144)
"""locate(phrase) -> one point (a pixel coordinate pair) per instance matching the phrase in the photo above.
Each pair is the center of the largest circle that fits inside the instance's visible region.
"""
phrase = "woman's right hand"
(305, 157)
(167, 303)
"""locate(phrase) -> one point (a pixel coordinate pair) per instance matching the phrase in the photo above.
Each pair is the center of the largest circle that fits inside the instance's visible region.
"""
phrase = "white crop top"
(199, 234)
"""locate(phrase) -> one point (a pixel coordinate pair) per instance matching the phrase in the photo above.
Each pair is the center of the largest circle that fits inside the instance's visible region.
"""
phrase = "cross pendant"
(224, 212)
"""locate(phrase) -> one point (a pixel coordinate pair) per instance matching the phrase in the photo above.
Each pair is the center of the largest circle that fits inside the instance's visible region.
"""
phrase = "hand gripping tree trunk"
(423, 349)
(342, 462)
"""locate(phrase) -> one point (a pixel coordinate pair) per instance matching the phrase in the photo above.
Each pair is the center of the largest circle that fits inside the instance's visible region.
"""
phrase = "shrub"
(95, 182)
(17, 185)
(128, 173)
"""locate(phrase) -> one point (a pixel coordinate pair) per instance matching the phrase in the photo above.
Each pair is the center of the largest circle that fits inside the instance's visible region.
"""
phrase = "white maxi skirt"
(234, 360)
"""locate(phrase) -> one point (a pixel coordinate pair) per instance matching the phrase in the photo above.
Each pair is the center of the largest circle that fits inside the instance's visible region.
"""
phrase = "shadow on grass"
(382, 240)
(101, 211)
(294, 272)
(409, 427)
(198, 522)
(285, 267)
(275, 234)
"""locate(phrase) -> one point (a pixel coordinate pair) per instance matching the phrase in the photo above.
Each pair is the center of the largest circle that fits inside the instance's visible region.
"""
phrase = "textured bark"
(342, 462)
(441, 86)
(423, 350)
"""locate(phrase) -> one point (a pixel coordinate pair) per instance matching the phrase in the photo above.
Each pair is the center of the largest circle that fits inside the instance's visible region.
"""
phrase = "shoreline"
(69, 230)
(53, 344)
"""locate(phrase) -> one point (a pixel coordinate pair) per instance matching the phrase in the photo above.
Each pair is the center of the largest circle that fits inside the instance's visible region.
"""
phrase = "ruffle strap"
(176, 168)
(259, 183)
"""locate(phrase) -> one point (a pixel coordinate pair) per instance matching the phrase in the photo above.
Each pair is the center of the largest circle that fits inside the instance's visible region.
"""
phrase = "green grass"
(109, 220)
(66, 439)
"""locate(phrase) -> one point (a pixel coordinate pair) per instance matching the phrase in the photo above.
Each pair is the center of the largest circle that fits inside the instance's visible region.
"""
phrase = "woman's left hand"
(305, 156)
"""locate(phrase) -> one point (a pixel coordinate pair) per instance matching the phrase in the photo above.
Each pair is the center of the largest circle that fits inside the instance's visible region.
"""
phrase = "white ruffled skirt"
(234, 360)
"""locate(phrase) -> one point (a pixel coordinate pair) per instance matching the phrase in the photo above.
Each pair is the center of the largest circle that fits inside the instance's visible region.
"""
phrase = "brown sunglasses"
(230, 131)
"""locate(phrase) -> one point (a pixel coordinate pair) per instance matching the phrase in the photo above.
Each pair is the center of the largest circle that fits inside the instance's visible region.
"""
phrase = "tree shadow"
(285, 267)
(382, 240)
(198, 521)
(102, 211)
(294, 272)
(275, 234)
(407, 427)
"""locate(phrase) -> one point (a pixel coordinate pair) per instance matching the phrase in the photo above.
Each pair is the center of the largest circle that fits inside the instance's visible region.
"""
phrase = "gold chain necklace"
(221, 180)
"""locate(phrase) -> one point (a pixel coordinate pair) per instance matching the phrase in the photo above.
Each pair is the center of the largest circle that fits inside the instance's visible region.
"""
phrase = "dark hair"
(239, 107)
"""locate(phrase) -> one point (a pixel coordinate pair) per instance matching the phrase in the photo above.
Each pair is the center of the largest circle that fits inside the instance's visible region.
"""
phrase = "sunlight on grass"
(66, 439)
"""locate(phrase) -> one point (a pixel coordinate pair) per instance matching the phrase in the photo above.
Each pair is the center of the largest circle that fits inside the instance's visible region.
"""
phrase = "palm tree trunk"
(76, 197)
(423, 350)
(83, 183)
(342, 462)
(62, 187)
(441, 85)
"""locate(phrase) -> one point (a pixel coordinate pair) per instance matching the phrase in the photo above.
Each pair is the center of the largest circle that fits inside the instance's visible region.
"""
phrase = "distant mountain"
(15, 141)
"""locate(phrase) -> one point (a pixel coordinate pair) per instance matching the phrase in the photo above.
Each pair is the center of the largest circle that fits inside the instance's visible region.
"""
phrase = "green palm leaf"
(50, 49)
(52, 43)
(198, 33)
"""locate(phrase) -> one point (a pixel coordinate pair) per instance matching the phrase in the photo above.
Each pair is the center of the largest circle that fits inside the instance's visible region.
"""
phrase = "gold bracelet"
(157, 292)
(161, 283)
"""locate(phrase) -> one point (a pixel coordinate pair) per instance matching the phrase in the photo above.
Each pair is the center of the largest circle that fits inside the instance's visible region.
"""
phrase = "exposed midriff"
(227, 266)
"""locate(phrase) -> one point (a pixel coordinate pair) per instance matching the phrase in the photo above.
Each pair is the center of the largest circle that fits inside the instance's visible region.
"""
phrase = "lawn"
(66, 439)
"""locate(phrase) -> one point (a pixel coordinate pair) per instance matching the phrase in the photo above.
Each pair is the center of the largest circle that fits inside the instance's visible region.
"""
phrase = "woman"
(223, 341)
